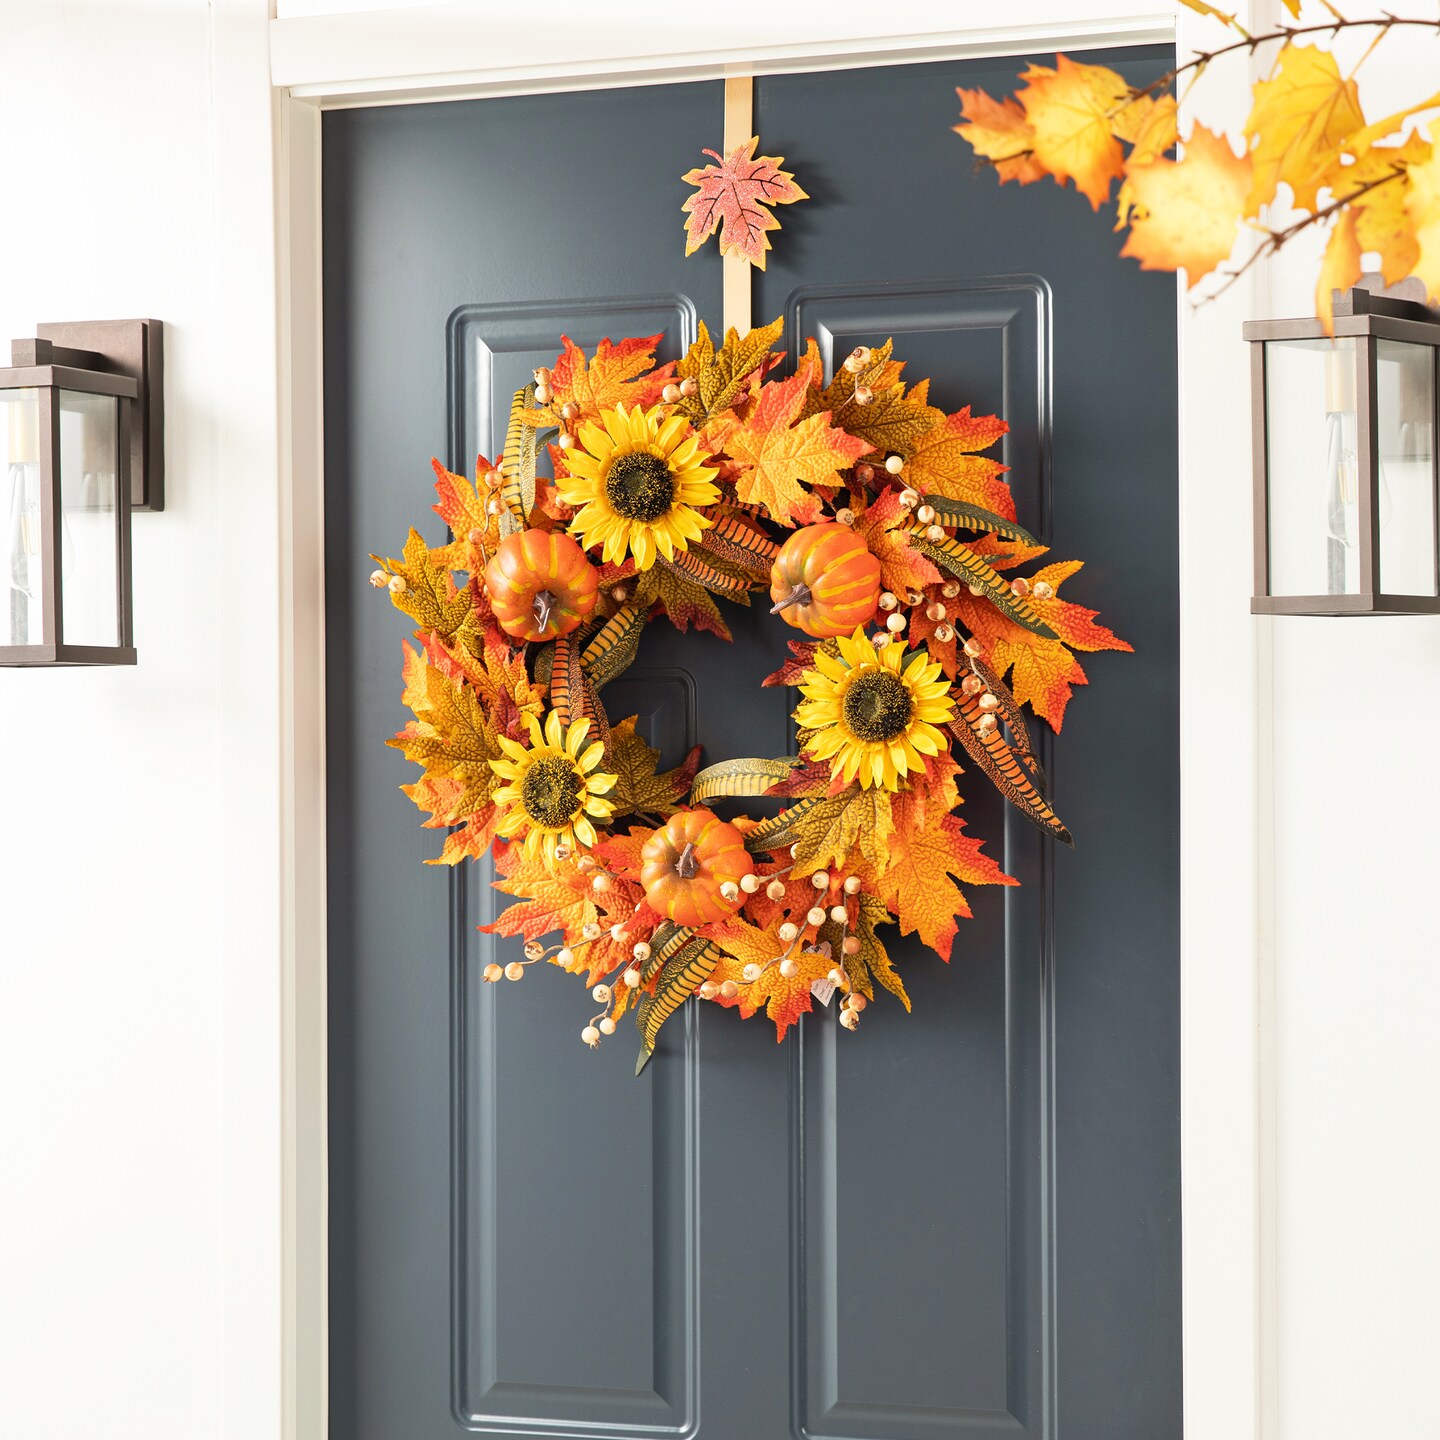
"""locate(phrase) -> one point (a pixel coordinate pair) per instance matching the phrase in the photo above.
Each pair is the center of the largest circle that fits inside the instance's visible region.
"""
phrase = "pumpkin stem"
(686, 865)
(800, 595)
(543, 604)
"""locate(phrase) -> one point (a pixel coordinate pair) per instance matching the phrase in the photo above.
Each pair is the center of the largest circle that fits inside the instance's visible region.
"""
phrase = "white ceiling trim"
(404, 53)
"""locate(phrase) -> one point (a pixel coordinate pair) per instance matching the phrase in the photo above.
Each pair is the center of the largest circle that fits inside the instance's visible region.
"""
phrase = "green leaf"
(681, 976)
(720, 375)
(966, 565)
(973, 517)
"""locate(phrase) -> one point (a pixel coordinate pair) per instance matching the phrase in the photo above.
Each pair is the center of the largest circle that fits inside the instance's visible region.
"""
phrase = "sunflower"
(638, 478)
(552, 788)
(869, 714)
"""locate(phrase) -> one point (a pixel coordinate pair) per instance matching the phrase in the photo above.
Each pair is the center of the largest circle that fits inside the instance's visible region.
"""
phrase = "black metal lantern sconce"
(82, 437)
(1347, 490)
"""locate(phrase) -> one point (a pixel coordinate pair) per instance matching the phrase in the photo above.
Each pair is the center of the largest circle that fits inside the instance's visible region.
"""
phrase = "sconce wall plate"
(133, 348)
(1347, 489)
(81, 444)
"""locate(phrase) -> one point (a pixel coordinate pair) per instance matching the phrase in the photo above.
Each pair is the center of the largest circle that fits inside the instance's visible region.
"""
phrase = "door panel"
(962, 1222)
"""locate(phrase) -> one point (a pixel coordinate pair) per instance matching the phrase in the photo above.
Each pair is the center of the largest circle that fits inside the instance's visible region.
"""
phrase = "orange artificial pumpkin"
(825, 581)
(684, 865)
(540, 585)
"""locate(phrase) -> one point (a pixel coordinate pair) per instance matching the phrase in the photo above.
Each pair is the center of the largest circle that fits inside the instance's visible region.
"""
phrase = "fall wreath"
(880, 529)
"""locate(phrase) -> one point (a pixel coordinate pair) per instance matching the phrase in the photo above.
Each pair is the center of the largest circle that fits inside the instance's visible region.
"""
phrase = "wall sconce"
(1346, 483)
(82, 438)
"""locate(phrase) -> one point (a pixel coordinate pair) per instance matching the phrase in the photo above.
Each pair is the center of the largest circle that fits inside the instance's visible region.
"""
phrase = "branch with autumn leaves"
(1376, 186)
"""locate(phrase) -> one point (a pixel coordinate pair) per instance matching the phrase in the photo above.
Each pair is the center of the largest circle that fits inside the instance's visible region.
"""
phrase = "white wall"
(142, 939)
(114, 939)
(1353, 939)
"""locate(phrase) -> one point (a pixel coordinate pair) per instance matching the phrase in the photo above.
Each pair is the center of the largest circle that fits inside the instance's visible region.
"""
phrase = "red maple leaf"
(734, 194)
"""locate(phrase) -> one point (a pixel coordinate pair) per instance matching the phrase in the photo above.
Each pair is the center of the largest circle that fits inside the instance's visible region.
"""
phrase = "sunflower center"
(877, 706)
(551, 790)
(639, 486)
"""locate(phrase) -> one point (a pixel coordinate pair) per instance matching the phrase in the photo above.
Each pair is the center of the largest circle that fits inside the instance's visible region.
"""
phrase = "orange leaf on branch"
(1070, 110)
(1000, 131)
(783, 1000)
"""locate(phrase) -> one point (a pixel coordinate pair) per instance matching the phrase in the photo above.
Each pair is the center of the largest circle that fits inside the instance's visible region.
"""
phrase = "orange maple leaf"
(998, 130)
(623, 374)
(1044, 670)
(783, 458)
(560, 897)
(1187, 211)
(884, 525)
(784, 1000)
(924, 853)
(1071, 111)
(945, 462)
(461, 506)
(735, 195)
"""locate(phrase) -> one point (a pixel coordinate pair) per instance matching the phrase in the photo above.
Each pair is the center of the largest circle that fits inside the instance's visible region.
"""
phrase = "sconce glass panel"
(1313, 469)
(89, 518)
(1405, 430)
(22, 615)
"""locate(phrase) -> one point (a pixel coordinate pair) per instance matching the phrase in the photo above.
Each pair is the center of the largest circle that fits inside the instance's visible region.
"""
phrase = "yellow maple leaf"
(1340, 267)
(745, 942)
(782, 461)
(835, 827)
(998, 130)
(785, 999)
(1422, 209)
(1071, 109)
(1187, 211)
(1301, 115)
(640, 787)
(1155, 135)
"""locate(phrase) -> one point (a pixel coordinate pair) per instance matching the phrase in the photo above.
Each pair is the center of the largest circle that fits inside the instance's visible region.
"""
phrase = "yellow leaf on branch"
(1300, 117)
(1340, 268)
(1187, 211)
(1422, 209)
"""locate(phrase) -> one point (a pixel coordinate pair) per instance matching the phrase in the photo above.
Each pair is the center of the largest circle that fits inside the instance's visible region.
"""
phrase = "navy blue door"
(960, 1223)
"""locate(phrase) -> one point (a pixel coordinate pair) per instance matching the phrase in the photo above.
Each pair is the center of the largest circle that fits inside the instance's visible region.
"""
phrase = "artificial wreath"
(880, 530)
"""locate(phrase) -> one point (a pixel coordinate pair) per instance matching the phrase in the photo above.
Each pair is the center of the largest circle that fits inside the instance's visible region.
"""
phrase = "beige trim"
(735, 273)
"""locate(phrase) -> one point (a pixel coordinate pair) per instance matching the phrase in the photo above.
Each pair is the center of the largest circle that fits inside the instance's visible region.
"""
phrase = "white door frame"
(322, 57)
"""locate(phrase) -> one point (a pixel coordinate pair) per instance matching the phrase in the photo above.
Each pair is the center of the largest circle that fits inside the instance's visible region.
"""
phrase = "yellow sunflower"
(552, 788)
(870, 718)
(638, 479)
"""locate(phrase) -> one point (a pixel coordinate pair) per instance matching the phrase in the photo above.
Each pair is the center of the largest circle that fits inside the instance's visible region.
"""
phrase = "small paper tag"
(822, 990)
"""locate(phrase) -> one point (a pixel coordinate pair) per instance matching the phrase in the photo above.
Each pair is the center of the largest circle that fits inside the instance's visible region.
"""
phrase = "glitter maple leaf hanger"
(735, 195)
